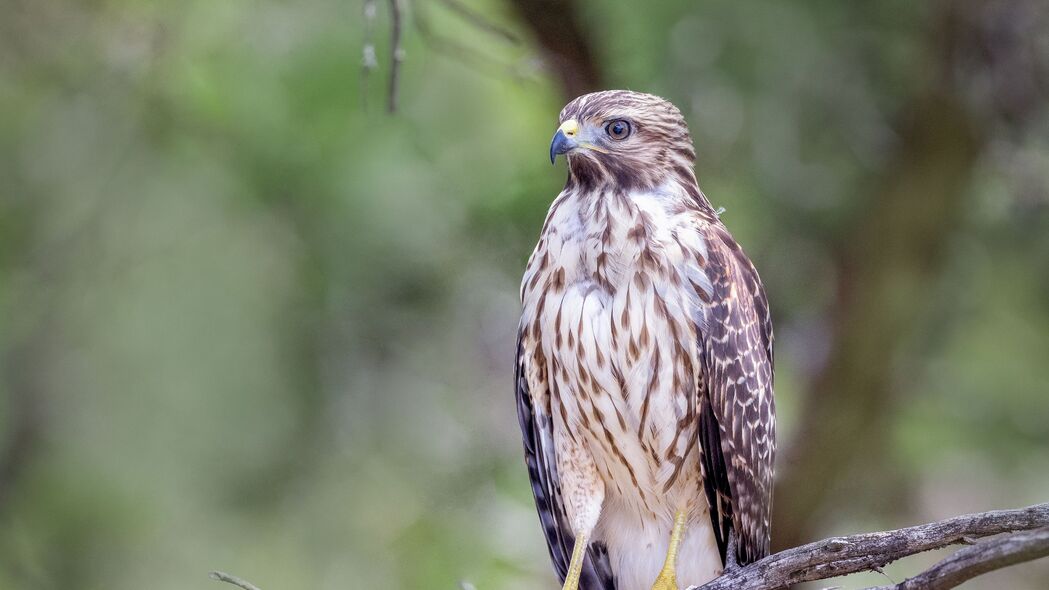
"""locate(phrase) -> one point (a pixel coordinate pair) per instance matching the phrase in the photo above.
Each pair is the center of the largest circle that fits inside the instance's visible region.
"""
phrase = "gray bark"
(841, 556)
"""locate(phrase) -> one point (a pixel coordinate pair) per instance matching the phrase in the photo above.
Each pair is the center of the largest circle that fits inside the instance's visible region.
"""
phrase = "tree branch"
(396, 54)
(240, 583)
(840, 556)
(979, 559)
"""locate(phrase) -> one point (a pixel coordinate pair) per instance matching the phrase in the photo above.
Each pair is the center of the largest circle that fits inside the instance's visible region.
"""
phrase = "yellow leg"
(666, 579)
(575, 567)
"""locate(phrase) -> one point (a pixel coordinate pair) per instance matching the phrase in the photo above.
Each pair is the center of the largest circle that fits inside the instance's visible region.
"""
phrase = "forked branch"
(841, 556)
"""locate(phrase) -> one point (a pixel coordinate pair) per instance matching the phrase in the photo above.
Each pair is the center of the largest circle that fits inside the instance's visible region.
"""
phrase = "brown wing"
(737, 411)
(533, 412)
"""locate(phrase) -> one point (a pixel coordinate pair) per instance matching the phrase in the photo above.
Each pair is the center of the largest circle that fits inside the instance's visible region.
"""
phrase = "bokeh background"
(251, 321)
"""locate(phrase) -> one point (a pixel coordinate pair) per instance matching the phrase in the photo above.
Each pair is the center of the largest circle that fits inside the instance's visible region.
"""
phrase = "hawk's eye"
(618, 129)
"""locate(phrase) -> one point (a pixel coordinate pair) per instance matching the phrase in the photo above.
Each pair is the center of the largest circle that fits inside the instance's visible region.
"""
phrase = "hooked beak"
(564, 140)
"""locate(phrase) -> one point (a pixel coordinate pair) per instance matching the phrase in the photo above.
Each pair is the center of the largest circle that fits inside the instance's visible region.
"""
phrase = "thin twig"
(468, 56)
(396, 54)
(841, 556)
(224, 577)
(369, 61)
(481, 22)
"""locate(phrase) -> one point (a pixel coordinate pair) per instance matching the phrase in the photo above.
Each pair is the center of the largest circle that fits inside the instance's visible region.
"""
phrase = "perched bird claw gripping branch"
(644, 372)
(731, 563)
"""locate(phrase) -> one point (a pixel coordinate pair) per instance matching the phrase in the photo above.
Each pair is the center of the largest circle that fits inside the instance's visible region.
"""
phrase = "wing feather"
(533, 411)
(737, 410)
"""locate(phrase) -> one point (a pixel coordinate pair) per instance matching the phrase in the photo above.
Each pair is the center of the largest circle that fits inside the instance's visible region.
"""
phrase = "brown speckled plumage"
(644, 360)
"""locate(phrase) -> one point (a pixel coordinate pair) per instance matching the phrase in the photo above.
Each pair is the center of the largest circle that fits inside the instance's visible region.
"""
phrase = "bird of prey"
(644, 362)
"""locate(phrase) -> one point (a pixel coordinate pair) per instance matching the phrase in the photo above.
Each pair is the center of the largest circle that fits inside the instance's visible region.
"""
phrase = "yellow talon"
(666, 579)
(575, 567)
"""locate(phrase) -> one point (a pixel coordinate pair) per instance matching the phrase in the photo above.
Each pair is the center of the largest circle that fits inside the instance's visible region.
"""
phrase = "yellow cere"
(569, 127)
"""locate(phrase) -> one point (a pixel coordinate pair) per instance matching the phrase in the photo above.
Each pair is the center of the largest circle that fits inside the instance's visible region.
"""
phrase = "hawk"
(644, 362)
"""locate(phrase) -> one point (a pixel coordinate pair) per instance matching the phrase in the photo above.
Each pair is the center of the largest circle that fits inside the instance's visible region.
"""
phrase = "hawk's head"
(624, 139)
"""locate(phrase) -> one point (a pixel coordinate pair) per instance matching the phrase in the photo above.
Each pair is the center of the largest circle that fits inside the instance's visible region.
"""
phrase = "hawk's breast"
(613, 290)
(613, 299)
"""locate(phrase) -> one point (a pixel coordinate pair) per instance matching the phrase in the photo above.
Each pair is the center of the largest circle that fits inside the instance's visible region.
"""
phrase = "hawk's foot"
(666, 579)
(731, 561)
(575, 567)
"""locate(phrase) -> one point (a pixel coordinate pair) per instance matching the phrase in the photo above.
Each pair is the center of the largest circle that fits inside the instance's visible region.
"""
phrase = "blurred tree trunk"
(887, 270)
(22, 366)
(889, 265)
(566, 48)
(27, 295)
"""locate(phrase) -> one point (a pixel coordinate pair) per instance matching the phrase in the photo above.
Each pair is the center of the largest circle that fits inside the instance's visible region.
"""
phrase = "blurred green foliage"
(251, 322)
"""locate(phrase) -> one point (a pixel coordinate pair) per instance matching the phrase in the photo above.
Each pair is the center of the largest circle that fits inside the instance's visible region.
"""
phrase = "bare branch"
(979, 559)
(224, 577)
(396, 53)
(839, 556)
